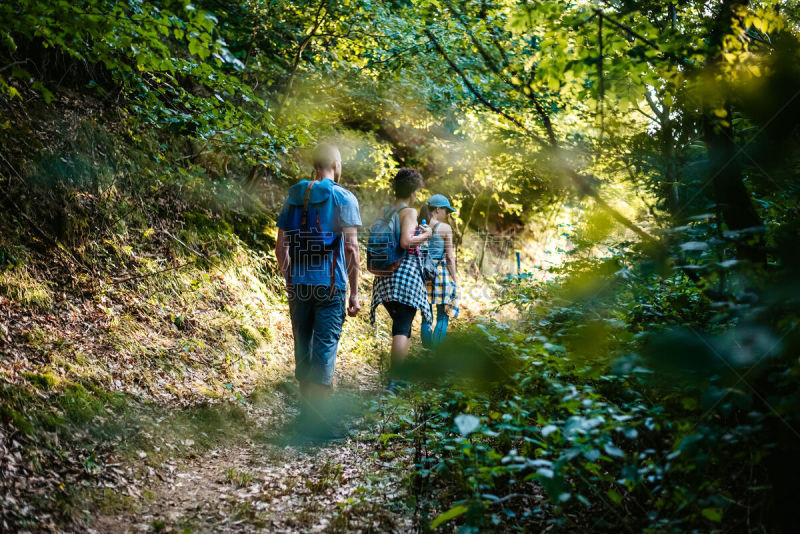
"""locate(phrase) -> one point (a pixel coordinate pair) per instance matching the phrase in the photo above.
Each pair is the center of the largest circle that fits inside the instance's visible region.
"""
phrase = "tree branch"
(318, 18)
(642, 38)
(652, 118)
(14, 64)
(600, 87)
(478, 95)
(652, 104)
(582, 183)
(487, 58)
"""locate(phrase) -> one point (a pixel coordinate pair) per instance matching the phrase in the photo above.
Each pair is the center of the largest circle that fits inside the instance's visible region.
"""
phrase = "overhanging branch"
(487, 59)
(582, 183)
(478, 95)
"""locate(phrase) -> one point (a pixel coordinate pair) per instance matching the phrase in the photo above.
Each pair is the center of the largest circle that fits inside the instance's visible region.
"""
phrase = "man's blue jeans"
(431, 337)
(317, 319)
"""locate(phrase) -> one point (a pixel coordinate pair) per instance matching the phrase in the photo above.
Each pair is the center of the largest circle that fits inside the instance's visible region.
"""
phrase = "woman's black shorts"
(402, 316)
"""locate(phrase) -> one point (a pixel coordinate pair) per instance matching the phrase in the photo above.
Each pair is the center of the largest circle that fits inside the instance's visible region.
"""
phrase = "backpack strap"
(306, 199)
(394, 212)
(391, 213)
(435, 226)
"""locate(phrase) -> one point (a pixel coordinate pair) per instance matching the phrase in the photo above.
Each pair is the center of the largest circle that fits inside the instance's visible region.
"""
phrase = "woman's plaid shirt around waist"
(405, 285)
(442, 290)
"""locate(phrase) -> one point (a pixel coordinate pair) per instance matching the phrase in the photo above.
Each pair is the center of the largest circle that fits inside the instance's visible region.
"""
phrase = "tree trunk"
(485, 235)
(669, 187)
(734, 205)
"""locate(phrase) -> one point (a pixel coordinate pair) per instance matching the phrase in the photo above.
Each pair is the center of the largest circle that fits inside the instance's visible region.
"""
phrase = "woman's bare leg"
(400, 346)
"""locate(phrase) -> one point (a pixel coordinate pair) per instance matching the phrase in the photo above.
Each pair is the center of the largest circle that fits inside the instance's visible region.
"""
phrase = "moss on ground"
(112, 501)
(45, 381)
(49, 404)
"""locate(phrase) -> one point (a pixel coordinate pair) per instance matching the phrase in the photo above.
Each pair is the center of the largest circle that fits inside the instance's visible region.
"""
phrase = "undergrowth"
(571, 419)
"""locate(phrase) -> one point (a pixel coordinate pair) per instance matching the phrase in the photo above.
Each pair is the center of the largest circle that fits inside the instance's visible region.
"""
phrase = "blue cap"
(440, 201)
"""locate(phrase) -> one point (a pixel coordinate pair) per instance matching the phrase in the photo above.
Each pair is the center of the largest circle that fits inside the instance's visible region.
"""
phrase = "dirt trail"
(268, 482)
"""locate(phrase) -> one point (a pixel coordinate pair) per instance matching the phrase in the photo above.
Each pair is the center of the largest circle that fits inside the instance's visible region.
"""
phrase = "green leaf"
(712, 514)
(613, 450)
(47, 95)
(386, 437)
(467, 424)
(614, 496)
(448, 515)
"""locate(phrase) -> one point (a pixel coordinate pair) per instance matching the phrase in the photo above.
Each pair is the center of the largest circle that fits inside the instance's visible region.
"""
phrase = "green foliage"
(628, 392)
(598, 448)
(652, 387)
(166, 58)
(239, 478)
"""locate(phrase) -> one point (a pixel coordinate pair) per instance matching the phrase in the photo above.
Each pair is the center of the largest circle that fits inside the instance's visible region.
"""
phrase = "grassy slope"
(131, 291)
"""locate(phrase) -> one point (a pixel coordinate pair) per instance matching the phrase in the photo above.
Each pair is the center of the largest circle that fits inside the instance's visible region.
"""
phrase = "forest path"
(267, 480)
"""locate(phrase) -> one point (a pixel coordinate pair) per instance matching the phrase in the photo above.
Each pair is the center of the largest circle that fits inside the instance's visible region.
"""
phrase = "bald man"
(317, 251)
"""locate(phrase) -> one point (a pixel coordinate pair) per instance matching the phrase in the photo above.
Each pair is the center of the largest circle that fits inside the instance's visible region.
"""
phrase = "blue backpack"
(384, 253)
(310, 231)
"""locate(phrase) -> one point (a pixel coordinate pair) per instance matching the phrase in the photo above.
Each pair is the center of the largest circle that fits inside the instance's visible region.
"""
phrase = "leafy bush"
(621, 398)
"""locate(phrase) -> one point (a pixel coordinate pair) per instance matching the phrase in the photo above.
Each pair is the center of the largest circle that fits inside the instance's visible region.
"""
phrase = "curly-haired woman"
(403, 292)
